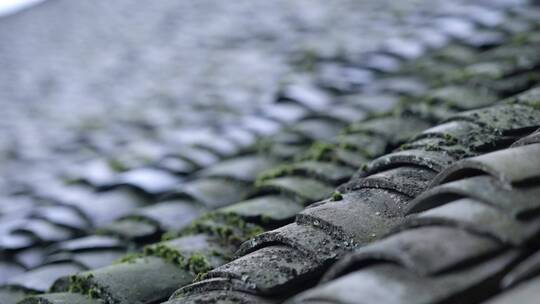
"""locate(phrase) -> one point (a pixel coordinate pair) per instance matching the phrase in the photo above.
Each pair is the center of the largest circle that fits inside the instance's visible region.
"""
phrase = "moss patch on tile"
(83, 283)
(229, 228)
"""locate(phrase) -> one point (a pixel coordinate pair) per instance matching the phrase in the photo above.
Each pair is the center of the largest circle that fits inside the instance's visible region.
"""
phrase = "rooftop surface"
(299, 152)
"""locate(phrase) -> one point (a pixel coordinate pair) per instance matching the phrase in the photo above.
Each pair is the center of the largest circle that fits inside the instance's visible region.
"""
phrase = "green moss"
(76, 284)
(533, 77)
(520, 39)
(530, 98)
(83, 284)
(307, 60)
(431, 147)
(129, 258)
(167, 253)
(344, 145)
(197, 264)
(534, 103)
(200, 277)
(265, 219)
(102, 231)
(348, 146)
(117, 165)
(230, 228)
(337, 196)
(273, 173)
(320, 151)
(301, 168)
(457, 76)
(450, 139)
(403, 147)
(73, 181)
(169, 235)
(263, 146)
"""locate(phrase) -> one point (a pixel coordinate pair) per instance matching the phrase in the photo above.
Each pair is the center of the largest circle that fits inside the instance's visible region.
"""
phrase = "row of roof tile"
(319, 234)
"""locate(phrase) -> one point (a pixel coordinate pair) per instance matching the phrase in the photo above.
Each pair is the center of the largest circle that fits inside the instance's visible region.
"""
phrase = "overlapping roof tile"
(439, 203)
